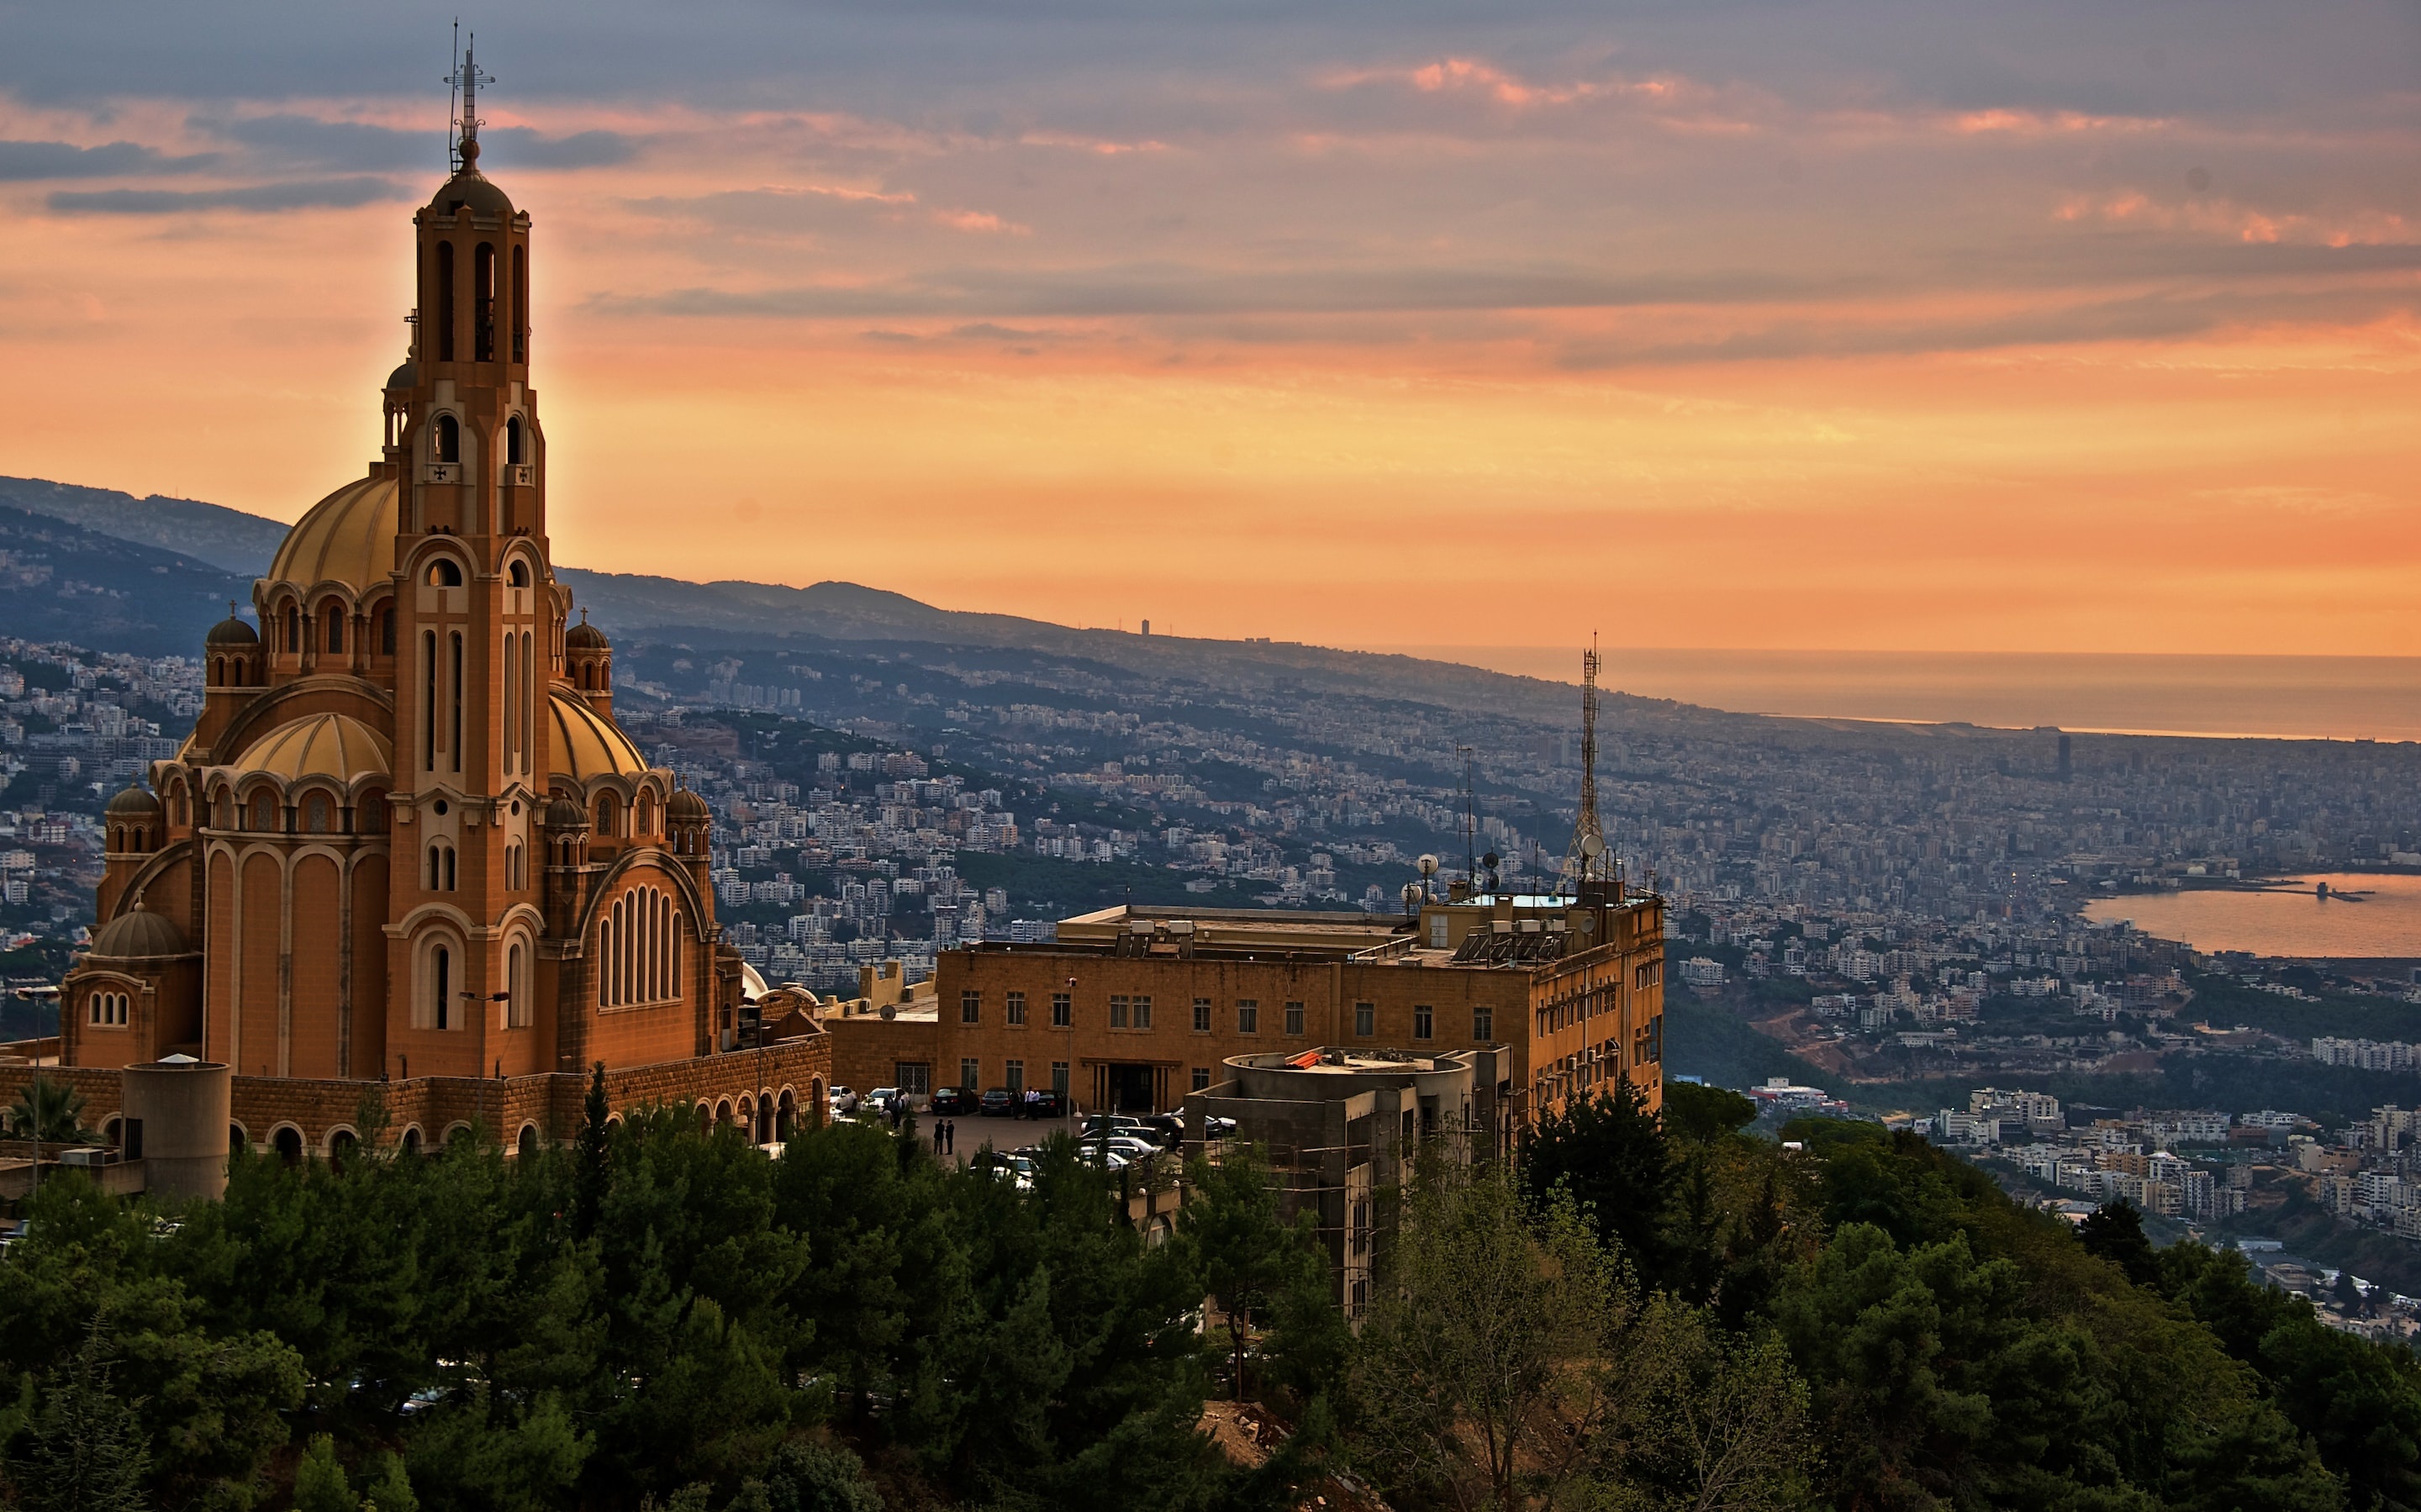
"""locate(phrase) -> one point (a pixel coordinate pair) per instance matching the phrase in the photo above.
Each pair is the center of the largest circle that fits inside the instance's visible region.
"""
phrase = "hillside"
(630, 604)
(61, 581)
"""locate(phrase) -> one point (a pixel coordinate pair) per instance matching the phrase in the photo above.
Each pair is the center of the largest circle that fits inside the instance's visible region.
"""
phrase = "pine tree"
(320, 1484)
(84, 1450)
(593, 1160)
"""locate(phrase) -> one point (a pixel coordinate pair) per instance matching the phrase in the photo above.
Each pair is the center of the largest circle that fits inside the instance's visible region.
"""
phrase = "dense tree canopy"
(1631, 1311)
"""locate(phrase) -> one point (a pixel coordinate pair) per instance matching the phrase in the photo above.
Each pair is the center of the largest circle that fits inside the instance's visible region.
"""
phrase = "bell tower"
(479, 617)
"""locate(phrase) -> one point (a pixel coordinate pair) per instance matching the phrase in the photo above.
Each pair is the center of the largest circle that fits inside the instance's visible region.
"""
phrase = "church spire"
(465, 81)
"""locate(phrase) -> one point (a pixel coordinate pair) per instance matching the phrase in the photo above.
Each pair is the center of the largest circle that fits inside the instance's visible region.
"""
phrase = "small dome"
(135, 803)
(585, 637)
(686, 807)
(139, 935)
(471, 190)
(348, 537)
(586, 743)
(321, 745)
(563, 814)
(232, 632)
(407, 376)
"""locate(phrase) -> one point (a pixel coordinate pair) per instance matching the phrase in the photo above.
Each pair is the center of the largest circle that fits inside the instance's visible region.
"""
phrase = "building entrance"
(1128, 1086)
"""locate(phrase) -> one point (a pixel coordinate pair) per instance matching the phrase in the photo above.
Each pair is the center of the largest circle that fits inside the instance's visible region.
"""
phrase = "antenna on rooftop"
(1588, 835)
(1470, 826)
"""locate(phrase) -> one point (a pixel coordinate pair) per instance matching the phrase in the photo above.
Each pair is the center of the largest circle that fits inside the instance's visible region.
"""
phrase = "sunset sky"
(1890, 325)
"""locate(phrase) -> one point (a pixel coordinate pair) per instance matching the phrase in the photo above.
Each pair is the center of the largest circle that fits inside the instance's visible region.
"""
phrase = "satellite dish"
(1429, 866)
(1584, 923)
(1412, 891)
(1489, 861)
(1592, 847)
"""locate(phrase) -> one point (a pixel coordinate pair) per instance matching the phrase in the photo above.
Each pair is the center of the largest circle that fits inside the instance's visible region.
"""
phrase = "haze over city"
(1852, 325)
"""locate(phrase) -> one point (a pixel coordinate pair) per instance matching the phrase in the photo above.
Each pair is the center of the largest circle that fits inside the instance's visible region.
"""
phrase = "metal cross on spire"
(464, 99)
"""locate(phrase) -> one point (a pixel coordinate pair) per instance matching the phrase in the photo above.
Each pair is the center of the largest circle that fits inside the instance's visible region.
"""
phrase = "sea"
(2383, 918)
(2285, 697)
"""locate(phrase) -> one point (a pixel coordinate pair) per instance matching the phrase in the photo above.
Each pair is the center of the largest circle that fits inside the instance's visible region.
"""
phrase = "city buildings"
(1133, 1007)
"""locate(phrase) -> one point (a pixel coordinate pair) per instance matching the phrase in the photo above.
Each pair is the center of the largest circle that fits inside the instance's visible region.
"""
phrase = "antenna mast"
(1470, 826)
(1588, 835)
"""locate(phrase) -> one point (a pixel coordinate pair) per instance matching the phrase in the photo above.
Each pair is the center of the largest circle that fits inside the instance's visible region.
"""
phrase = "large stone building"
(1133, 1007)
(406, 842)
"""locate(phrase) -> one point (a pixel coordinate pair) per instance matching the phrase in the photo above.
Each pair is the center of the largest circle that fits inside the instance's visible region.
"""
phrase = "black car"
(998, 1104)
(1166, 1129)
(953, 1102)
(1047, 1104)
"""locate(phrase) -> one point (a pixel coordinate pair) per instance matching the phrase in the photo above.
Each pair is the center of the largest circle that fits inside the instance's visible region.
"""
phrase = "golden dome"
(324, 745)
(347, 536)
(587, 744)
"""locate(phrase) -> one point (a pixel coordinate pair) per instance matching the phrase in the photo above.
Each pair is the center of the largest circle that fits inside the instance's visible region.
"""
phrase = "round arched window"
(447, 439)
(445, 574)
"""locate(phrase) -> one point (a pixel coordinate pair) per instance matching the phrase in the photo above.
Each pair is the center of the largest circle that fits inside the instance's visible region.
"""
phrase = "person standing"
(950, 1137)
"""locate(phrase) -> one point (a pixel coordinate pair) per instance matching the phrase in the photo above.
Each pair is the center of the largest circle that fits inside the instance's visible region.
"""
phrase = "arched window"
(520, 569)
(333, 617)
(263, 814)
(443, 572)
(446, 304)
(441, 867)
(517, 1002)
(369, 813)
(605, 956)
(646, 824)
(386, 630)
(513, 442)
(319, 814)
(218, 672)
(447, 439)
(605, 816)
(441, 973)
(521, 305)
(429, 697)
(483, 308)
(293, 628)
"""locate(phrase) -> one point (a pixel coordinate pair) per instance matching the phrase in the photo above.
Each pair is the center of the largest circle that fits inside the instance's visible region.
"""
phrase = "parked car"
(1113, 1122)
(1214, 1126)
(842, 1100)
(954, 1102)
(1047, 1102)
(1129, 1145)
(880, 1098)
(998, 1103)
(1164, 1129)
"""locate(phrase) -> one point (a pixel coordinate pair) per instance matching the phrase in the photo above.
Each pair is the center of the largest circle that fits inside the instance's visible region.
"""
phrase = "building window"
(1366, 1019)
(1201, 1077)
(1013, 1075)
(1059, 1077)
(111, 1010)
(913, 1077)
(1483, 1024)
(1118, 1010)
(1143, 1013)
(1294, 1019)
(971, 1075)
(971, 1007)
(1202, 1016)
(1063, 1011)
(1017, 1009)
(441, 970)
(1424, 1021)
(1248, 1016)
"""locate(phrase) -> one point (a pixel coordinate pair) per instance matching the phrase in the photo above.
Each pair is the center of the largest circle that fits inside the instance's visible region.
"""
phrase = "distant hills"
(187, 558)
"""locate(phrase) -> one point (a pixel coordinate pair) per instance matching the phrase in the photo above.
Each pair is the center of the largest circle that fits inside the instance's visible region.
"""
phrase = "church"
(407, 844)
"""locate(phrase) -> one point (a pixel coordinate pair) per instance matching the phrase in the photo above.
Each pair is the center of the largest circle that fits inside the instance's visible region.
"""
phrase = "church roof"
(347, 536)
(139, 936)
(587, 744)
(322, 745)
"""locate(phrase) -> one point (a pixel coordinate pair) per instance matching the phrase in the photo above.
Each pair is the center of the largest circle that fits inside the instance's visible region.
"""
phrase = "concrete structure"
(406, 840)
(1340, 1126)
(177, 1123)
(1134, 1007)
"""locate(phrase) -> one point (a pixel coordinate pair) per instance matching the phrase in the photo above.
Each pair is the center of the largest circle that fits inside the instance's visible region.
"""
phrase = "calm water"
(2387, 923)
(2341, 697)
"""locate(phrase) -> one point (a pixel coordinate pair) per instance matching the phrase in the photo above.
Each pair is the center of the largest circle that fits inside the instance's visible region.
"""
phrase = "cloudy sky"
(1917, 325)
